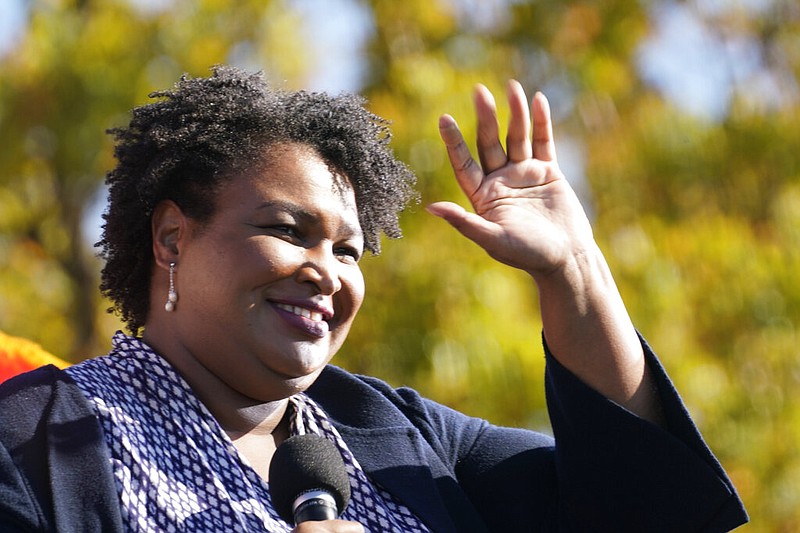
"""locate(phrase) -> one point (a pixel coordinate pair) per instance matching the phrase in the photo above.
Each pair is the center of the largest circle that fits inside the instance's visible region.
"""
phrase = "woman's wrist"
(589, 331)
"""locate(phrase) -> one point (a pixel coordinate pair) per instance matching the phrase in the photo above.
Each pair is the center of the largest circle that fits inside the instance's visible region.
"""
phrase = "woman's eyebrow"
(290, 207)
(348, 230)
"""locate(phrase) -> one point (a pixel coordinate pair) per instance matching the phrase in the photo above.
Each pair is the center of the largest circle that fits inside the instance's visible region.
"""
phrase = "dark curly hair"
(187, 143)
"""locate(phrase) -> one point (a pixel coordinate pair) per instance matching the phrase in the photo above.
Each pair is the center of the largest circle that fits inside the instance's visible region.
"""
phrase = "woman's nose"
(321, 267)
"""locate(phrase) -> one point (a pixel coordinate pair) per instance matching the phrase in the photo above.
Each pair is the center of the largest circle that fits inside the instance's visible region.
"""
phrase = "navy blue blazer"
(606, 469)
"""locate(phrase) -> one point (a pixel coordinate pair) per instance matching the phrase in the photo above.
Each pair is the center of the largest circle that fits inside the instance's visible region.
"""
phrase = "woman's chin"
(300, 376)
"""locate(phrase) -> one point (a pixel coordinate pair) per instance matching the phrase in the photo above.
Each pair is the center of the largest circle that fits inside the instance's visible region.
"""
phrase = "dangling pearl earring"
(172, 296)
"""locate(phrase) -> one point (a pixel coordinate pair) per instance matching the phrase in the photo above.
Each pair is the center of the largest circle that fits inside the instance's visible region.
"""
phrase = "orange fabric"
(18, 355)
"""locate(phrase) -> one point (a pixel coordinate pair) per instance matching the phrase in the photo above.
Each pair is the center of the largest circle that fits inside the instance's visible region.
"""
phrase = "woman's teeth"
(302, 311)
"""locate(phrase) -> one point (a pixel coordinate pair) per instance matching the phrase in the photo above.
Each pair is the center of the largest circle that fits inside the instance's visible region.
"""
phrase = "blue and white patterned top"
(177, 470)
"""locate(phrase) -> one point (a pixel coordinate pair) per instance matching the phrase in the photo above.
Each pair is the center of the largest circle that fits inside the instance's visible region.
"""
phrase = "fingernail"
(446, 121)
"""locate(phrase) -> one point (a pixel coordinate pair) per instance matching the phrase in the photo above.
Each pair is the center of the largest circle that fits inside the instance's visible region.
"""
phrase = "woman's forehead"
(294, 175)
(288, 163)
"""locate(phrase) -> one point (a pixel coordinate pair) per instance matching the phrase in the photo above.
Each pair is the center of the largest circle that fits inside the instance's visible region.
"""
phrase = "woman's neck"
(235, 412)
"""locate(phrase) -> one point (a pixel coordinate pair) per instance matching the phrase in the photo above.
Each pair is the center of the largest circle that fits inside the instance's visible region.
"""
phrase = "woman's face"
(269, 287)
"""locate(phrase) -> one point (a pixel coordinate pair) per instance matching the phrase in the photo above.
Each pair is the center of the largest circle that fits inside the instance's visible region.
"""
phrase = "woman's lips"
(311, 321)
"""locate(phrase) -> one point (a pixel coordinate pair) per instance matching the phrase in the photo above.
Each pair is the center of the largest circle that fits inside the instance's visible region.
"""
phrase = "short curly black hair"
(184, 145)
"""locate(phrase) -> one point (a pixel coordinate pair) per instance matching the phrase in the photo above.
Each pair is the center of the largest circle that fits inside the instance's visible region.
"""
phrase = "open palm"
(525, 212)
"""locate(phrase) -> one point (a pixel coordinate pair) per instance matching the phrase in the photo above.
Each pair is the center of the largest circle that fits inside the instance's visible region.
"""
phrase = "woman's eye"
(283, 229)
(348, 252)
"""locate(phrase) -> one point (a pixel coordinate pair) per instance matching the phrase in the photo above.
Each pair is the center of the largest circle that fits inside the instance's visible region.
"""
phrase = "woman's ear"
(169, 228)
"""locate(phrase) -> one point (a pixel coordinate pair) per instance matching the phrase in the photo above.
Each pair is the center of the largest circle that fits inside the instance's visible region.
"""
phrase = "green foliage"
(699, 220)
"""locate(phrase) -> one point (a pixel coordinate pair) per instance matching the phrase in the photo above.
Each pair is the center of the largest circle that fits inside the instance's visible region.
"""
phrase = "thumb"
(470, 225)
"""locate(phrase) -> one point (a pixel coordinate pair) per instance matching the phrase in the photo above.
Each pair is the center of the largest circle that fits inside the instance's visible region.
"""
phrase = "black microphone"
(308, 480)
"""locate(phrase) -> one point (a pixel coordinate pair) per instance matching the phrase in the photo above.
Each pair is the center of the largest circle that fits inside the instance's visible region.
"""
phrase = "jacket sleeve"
(54, 466)
(17, 509)
(618, 469)
(606, 470)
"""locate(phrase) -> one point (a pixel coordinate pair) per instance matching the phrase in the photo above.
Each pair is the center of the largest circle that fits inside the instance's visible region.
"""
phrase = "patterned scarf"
(177, 470)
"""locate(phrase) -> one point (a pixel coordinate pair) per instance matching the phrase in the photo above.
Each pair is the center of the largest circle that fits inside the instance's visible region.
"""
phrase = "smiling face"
(268, 287)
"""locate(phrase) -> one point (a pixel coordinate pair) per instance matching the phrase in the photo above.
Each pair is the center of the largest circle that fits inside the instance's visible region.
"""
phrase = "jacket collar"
(392, 451)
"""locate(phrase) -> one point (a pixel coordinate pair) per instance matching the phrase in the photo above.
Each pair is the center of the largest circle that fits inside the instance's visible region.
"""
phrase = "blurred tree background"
(677, 122)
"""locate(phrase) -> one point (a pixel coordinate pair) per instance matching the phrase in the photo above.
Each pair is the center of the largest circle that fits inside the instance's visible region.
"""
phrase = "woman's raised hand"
(525, 213)
(527, 216)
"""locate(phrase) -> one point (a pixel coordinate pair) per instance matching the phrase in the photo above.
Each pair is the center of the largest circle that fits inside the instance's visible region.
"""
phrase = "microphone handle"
(314, 506)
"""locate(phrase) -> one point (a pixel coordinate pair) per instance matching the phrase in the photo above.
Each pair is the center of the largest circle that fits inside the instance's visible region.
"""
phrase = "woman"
(236, 221)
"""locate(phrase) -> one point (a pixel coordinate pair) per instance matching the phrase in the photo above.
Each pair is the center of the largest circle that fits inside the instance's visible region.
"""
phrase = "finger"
(544, 146)
(329, 526)
(470, 225)
(490, 151)
(468, 174)
(518, 139)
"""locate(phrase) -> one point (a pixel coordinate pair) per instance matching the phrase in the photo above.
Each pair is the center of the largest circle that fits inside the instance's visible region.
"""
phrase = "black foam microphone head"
(306, 463)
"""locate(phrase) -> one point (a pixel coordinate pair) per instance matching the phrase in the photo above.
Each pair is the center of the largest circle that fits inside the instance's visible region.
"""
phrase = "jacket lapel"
(394, 458)
(393, 453)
